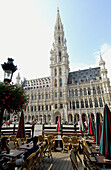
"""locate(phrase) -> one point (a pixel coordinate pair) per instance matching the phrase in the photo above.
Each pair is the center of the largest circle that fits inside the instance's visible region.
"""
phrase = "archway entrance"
(70, 118)
(57, 114)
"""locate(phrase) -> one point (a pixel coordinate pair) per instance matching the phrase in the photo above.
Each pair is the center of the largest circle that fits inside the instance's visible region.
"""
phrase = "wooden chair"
(66, 144)
(40, 138)
(37, 159)
(42, 153)
(50, 167)
(48, 150)
(12, 145)
(52, 139)
(89, 159)
(86, 145)
(25, 139)
(29, 162)
(19, 142)
(74, 142)
(74, 156)
(13, 138)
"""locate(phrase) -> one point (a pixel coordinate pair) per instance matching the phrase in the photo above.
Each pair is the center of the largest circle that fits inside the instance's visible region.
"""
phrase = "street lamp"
(9, 68)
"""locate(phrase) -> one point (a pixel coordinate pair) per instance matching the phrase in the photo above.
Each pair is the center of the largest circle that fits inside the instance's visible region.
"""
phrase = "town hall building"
(69, 95)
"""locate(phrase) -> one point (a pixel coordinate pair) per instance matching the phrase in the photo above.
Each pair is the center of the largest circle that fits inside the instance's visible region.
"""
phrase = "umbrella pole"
(58, 144)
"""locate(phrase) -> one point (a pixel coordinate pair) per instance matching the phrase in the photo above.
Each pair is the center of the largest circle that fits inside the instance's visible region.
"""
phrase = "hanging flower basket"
(12, 97)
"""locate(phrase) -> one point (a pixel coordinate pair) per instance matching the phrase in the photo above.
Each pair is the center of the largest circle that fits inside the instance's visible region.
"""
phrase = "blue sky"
(27, 34)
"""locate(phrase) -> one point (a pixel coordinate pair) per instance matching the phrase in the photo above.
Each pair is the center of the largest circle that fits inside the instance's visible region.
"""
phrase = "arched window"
(55, 72)
(98, 90)
(73, 105)
(90, 103)
(60, 82)
(82, 104)
(31, 108)
(89, 91)
(77, 104)
(85, 93)
(76, 92)
(60, 72)
(84, 117)
(86, 103)
(60, 59)
(55, 83)
(34, 108)
(94, 90)
(32, 97)
(81, 92)
(96, 102)
(72, 93)
(46, 96)
(100, 102)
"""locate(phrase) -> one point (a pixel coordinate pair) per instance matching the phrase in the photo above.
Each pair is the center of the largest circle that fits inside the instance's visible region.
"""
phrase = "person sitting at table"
(5, 147)
(23, 157)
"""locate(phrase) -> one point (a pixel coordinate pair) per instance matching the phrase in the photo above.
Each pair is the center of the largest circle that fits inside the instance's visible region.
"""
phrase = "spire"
(102, 66)
(101, 62)
(58, 19)
(59, 32)
(18, 79)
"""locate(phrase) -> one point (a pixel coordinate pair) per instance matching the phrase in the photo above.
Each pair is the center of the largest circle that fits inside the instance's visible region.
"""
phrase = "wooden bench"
(66, 130)
(50, 130)
(6, 131)
(72, 131)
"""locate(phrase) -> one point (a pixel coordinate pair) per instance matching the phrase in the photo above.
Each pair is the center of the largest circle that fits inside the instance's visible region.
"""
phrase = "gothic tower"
(59, 64)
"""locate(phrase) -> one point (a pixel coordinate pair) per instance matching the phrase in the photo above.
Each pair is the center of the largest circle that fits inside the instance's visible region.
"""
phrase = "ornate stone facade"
(64, 93)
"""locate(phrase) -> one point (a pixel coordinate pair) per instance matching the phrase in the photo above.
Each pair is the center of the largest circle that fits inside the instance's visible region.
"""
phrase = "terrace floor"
(61, 161)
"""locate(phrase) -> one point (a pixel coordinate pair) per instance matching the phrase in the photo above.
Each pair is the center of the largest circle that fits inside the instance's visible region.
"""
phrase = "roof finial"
(57, 9)
(100, 55)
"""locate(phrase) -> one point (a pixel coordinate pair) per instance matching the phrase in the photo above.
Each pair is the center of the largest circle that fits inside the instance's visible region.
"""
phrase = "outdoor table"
(13, 154)
(95, 146)
(102, 162)
(95, 151)
(28, 146)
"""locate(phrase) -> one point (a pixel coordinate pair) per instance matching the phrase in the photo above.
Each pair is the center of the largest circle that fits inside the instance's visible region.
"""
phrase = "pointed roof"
(58, 20)
(101, 60)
